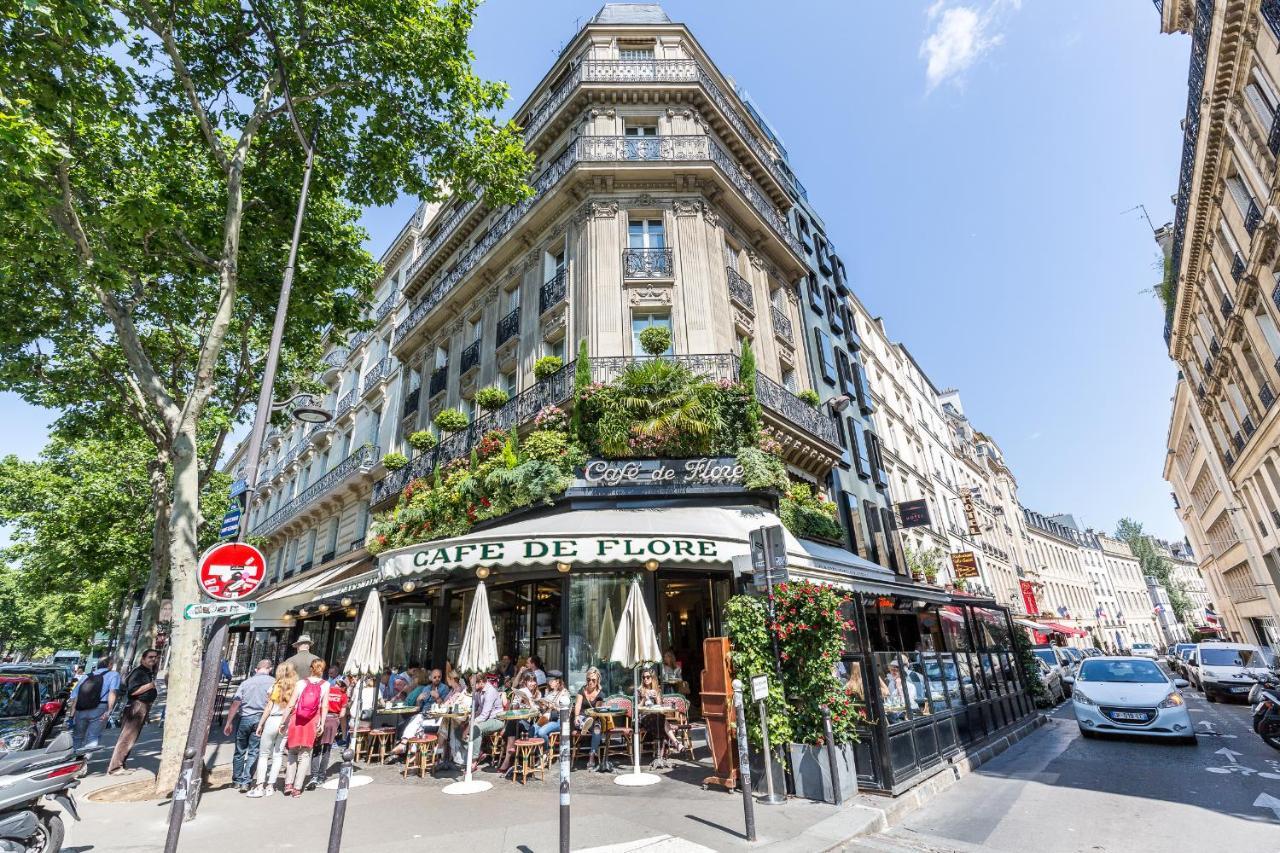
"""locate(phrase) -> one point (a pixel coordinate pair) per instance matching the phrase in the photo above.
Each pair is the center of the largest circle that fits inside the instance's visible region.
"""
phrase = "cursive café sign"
(707, 473)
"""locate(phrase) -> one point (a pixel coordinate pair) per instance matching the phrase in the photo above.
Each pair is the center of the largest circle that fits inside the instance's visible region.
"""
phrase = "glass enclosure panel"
(902, 688)
(343, 633)
(546, 624)
(408, 637)
(459, 608)
(595, 606)
(318, 630)
(509, 607)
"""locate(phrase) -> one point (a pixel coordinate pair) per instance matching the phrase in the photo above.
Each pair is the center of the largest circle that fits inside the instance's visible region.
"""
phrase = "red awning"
(1064, 629)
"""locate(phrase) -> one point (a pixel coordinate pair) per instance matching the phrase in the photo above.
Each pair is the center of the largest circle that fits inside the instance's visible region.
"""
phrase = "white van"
(1226, 670)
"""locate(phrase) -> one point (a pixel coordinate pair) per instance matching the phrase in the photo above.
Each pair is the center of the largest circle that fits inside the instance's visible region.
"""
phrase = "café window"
(408, 636)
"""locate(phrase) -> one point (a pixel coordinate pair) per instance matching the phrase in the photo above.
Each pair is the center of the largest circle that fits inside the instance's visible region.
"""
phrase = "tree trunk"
(186, 640)
(145, 637)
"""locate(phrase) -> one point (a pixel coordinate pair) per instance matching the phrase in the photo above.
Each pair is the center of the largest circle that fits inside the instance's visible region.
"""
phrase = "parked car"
(53, 686)
(1130, 695)
(1051, 678)
(19, 713)
(1143, 650)
(68, 659)
(1056, 658)
(1092, 652)
(1175, 658)
(1225, 670)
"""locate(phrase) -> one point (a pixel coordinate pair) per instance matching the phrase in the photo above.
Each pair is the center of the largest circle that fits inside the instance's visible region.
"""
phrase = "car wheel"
(1210, 696)
(1189, 740)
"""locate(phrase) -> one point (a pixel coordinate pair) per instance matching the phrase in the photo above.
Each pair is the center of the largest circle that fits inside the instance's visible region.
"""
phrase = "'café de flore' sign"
(631, 476)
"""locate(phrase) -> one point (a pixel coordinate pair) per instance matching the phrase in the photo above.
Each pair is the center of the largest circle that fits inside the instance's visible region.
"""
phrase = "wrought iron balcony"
(1237, 266)
(1228, 458)
(1208, 365)
(740, 289)
(1247, 425)
(1271, 14)
(1200, 391)
(363, 459)
(1214, 347)
(439, 381)
(345, 404)
(411, 402)
(781, 324)
(1266, 395)
(385, 308)
(1252, 217)
(1238, 440)
(356, 340)
(336, 358)
(508, 326)
(470, 357)
(376, 374)
(1273, 138)
(554, 291)
(646, 263)
(1226, 306)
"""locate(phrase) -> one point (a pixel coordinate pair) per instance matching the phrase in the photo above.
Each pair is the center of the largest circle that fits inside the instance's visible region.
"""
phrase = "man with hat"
(302, 659)
(549, 703)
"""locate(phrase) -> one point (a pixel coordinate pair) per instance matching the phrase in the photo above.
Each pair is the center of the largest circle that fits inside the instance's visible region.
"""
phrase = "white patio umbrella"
(479, 652)
(635, 643)
(608, 632)
(365, 657)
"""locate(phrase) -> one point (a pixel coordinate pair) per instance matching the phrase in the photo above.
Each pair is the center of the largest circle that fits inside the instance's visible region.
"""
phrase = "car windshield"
(1232, 657)
(1142, 646)
(1126, 671)
(16, 699)
(1047, 656)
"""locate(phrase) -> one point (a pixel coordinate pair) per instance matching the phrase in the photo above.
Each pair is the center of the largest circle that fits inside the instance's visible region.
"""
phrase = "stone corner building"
(1223, 306)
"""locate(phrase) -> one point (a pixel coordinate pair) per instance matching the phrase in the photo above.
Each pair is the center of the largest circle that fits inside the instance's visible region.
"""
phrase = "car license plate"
(1240, 689)
(1130, 715)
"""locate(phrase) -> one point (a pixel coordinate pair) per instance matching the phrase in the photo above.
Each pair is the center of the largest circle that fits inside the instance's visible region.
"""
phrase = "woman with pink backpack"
(305, 719)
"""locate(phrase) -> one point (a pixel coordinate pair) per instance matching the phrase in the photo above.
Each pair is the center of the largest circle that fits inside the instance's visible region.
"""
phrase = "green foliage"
(809, 397)
(809, 516)
(657, 408)
(1030, 668)
(746, 622)
(1156, 566)
(762, 470)
(655, 340)
(547, 366)
(747, 376)
(394, 461)
(492, 398)
(422, 440)
(581, 381)
(924, 565)
(450, 420)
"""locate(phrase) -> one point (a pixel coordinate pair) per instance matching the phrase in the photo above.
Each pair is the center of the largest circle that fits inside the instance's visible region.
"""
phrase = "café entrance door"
(689, 608)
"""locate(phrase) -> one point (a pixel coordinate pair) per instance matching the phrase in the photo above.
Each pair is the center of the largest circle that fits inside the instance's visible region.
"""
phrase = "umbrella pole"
(471, 745)
(635, 723)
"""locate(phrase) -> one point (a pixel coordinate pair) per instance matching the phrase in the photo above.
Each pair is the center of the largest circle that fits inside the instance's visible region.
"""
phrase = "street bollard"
(178, 805)
(566, 733)
(830, 736)
(744, 761)
(340, 802)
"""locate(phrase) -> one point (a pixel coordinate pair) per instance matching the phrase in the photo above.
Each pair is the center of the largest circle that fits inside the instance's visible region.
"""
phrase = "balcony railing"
(1246, 424)
(354, 342)
(470, 357)
(376, 374)
(508, 326)
(1266, 395)
(1237, 266)
(1214, 347)
(1228, 458)
(594, 149)
(740, 289)
(557, 390)
(1226, 307)
(336, 357)
(1273, 138)
(439, 381)
(646, 263)
(781, 324)
(1252, 217)
(411, 402)
(385, 308)
(345, 403)
(363, 459)
(554, 291)
(1238, 440)
(1271, 14)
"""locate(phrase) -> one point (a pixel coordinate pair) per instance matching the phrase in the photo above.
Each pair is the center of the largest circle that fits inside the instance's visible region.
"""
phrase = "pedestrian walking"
(302, 657)
(271, 731)
(334, 728)
(305, 722)
(92, 701)
(139, 693)
(249, 701)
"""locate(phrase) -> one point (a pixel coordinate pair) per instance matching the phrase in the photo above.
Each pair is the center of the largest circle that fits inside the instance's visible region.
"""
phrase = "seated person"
(549, 705)
(525, 697)
(430, 690)
(590, 696)
(650, 696)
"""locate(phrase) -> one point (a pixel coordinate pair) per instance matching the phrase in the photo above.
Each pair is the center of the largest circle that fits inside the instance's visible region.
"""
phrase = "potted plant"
(809, 397)
(450, 420)
(656, 340)
(394, 461)
(546, 367)
(924, 565)
(492, 398)
(422, 440)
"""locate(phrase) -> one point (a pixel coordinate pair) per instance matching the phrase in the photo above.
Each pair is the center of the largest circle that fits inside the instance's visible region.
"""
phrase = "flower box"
(811, 771)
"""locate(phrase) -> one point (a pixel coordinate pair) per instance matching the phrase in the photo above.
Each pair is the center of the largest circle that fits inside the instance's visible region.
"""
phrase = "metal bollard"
(178, 805)
(830, 737)
(340, 802)
(566, 733)
(744, 761)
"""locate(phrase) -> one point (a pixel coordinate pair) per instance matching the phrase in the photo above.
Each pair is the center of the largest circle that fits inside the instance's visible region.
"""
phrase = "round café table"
(665, 712)
(606, 717)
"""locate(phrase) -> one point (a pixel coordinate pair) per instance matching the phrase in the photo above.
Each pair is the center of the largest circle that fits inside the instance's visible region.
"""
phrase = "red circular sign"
(231, 570)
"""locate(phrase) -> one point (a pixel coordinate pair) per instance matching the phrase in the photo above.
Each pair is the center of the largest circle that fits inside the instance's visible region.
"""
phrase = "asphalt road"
(1056, 792)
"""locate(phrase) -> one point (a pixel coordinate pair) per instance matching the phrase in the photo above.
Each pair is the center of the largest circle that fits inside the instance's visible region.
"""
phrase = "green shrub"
(547, 366)
(581, 381)
(422, 440)
(809, 516)
(747, 377)
(450, 420)
(809, 397)
(762, 470)
(655, 340)
(492, 398)
(394, 461)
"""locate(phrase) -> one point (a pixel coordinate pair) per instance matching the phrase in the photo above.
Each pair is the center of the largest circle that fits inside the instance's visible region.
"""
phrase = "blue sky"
(972, 160)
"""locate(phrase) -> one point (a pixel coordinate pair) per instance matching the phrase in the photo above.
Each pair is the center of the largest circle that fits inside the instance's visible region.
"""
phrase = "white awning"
(280, 600)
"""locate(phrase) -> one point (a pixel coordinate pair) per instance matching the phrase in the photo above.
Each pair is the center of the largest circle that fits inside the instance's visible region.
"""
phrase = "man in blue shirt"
(87, 716)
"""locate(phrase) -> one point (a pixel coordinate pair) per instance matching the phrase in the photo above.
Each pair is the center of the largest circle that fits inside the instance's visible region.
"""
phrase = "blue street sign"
(238, 488)
(231, 522)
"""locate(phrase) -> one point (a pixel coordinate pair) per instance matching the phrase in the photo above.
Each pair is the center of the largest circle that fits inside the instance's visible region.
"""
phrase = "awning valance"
(1059, 628)
(280, 600)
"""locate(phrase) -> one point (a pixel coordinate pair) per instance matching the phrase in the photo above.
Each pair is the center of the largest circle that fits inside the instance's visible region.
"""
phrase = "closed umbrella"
(479, 652)
(607, 630)
(635, 643)
(365, 657)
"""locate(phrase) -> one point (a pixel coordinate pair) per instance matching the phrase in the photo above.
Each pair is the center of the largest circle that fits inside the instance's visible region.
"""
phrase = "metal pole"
(771, 798)
(744, 761)
(177, 804)
(202, 714)
(830, 736)
(340, 802)
(566, 732)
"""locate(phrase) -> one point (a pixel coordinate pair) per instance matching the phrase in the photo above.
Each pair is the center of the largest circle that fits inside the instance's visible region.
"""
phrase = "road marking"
(1266, 801)
(1210, 731)
(1231, 754)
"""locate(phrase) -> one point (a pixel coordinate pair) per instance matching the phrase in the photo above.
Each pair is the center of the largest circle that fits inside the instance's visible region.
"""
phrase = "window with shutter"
(1239, 193)
(872, 519)
(1264, 111)
(826, 356)
(861, 458)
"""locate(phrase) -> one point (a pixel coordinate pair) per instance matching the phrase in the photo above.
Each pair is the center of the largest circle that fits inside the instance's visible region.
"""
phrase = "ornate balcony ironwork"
(354, 342)
(508, 326)
(1226, 307)
(345, 403)
(1238, 440)
(336, 358)
(740, 289)
(1266, 395)
(1214, 347)
(1200, 391)
(1271, 14)
(554, 291)
(470, 357)
(1252, 217)
(385, 308)
(781, 324)
(1273, 138)
(363, 459)
(646, 263)
(376, 374)
(439, 381)
(1208, 365)
(1238, 266)
(1228, 458)
(1247, 425)
(411, 403)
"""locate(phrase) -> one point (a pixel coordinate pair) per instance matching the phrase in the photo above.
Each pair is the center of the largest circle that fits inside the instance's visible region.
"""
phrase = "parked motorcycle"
(27, 780)
(1264, 698)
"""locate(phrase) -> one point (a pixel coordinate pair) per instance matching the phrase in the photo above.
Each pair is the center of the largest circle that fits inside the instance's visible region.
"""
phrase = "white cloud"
(959, 36)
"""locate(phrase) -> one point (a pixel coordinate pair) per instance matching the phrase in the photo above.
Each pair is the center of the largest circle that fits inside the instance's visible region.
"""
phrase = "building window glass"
(826, 356)
(859, 451)
(642, 321)
(636, 54)
(645, 234)
(640, 127)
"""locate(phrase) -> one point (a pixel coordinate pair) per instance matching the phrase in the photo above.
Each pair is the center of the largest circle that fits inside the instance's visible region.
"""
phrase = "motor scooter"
(28, 780)
(1264, 699)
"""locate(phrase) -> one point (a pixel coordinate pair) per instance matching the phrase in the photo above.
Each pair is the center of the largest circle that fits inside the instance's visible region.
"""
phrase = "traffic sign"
(210, 609)
(759, 687)
(231, 570)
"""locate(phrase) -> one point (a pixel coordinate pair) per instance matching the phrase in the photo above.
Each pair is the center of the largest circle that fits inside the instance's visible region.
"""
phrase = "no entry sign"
(231, 570)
